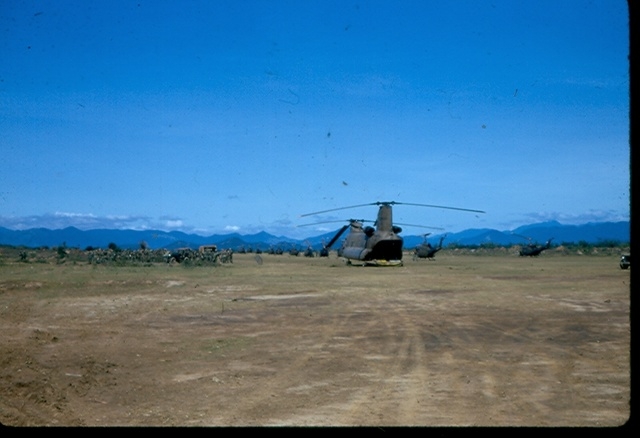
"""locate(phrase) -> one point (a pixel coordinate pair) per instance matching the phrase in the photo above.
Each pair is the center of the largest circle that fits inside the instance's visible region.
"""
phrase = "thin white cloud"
(577, 219)
(74, 215)
(82, 221)
(174, 224)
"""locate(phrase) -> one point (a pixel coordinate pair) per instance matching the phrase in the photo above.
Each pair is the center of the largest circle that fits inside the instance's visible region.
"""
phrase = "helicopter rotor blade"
(520, 235)
(339, 208)
(434, 206)
(337, 236)
(317, 223)
(330, 222)
(419, 226)
(379, 203)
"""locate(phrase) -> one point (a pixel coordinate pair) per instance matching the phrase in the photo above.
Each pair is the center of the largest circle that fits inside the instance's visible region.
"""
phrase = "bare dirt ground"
(464, 340)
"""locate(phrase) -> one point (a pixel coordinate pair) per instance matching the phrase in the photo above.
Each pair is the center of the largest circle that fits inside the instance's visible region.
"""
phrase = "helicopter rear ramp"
(390, 249)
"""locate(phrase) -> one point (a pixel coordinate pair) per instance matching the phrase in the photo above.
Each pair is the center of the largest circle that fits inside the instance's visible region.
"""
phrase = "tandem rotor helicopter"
(379, 246)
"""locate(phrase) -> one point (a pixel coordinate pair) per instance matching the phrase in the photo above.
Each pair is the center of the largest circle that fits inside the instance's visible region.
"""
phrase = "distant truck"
(625, 261)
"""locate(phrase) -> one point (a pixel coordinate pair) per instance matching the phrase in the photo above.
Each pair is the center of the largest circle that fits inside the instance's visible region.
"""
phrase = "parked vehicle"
(625, 261)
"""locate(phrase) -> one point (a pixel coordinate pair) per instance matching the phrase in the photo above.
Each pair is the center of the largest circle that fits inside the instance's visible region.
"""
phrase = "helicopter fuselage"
(532, 250)
(367, 244)
(426, 250)
(380, 246)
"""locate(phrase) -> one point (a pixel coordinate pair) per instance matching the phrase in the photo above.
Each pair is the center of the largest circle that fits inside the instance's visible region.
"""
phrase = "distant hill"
(131, 239)
(540, 232)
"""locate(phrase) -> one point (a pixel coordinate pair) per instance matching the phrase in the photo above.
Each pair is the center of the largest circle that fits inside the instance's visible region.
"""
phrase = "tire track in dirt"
(420, 378)
(395, 389)
(358, 349)
(291, 392)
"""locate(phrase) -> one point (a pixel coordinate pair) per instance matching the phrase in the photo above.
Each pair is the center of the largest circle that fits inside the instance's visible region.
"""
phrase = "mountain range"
(592, 233)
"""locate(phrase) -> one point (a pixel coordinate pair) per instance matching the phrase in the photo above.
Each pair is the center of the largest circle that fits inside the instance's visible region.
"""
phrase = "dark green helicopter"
(532, 249)
(380, 245)
(427, 251)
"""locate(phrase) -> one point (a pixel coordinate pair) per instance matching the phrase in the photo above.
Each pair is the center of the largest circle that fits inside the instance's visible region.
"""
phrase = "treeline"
(579, 246)
(144, 255)
(602, 248)
(114, 255)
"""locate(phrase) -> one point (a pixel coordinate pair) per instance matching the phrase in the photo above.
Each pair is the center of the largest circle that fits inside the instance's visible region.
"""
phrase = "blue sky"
(239, 116)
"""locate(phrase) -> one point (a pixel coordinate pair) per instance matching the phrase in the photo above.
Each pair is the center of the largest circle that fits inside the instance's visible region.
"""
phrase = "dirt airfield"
(465, 340)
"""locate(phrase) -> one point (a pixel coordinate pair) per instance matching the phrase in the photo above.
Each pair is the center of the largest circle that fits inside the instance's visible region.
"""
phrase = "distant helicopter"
(379, 246)
(324, 252)
(533, 250)
(425, 250)
(309, 252)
